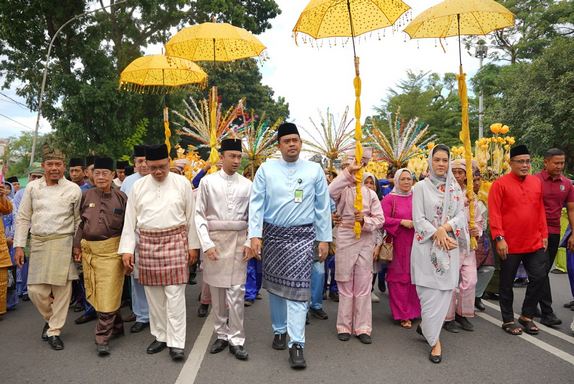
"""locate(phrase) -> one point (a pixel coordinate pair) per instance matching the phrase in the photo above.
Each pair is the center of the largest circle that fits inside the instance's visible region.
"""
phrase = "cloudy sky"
(313, 79)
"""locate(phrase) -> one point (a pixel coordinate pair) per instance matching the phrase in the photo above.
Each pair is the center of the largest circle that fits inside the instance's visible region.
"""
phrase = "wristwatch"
(499, 238)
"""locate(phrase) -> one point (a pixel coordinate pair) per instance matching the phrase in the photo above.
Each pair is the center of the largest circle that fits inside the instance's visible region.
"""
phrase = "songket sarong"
(51, 260)
(103, 274)
(163, 257)
(287, 260)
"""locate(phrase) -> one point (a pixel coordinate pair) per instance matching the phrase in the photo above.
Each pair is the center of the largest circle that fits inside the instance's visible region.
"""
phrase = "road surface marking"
(193, 363)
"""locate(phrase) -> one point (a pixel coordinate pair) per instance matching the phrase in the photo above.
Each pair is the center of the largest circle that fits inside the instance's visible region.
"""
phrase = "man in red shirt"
(557, 192)
(518, 227)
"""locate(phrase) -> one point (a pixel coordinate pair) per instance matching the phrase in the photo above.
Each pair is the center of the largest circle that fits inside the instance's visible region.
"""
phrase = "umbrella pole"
(459, 41)
(358, 205)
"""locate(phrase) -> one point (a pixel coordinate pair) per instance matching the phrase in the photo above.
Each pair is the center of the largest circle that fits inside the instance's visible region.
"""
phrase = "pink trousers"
(354, 315)
(463, 297)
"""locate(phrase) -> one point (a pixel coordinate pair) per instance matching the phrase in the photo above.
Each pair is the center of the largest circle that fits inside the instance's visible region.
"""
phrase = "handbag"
(386, 251)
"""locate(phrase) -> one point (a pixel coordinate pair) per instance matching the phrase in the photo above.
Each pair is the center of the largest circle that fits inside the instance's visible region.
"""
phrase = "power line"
(15, 101)
(17, 122)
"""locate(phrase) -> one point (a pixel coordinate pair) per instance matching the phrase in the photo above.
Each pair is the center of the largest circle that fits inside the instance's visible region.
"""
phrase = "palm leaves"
(402, 142)
(198, 119)
(332, 139)
(259, 138)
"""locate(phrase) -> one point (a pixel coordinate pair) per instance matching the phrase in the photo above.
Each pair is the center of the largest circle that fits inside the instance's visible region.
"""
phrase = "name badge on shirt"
(298, 196)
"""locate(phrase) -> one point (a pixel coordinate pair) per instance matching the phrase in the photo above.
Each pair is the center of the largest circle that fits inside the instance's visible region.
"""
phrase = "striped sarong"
(287, 260)
(163, 257)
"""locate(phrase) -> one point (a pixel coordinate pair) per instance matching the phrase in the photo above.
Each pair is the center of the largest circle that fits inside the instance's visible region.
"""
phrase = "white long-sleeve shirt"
(156, 206)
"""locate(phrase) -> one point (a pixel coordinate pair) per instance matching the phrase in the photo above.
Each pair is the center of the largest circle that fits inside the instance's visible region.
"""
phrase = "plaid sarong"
(163, 257)
(287, 260)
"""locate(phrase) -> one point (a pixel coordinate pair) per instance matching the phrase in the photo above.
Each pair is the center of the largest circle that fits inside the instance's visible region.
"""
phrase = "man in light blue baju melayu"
(289, 210)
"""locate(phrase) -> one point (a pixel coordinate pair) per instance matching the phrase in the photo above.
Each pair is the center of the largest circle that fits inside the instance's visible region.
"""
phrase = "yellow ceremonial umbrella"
(350, 18)
(213, 41)
(159, 74)
(458, 18)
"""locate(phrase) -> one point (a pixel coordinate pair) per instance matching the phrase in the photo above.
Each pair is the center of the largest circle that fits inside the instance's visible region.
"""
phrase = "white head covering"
(396, 190)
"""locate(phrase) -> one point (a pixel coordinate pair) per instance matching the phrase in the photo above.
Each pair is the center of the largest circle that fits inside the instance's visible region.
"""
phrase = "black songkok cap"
(104, 163)
(90, 160)
(77, 162)
(230, 145)
(156, 152)
(287, 129)
(139, 150)
(129, 170)
(12, 179)
(121, 164)
(519, 150)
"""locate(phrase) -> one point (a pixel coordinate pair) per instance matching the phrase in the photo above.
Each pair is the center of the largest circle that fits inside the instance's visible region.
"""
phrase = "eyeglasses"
(522, 162)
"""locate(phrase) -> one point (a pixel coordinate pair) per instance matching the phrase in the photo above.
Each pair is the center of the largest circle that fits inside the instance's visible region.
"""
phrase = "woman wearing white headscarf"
(398, 210)
(440, 228)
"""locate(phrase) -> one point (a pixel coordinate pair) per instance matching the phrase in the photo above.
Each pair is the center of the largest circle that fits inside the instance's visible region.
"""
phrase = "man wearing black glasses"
(518, 226)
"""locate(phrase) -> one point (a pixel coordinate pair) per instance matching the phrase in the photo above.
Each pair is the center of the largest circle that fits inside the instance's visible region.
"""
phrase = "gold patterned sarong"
(51, 260)
(103, 274)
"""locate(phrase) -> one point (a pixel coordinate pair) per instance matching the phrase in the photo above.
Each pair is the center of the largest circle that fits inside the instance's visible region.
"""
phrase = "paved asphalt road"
(487, 355)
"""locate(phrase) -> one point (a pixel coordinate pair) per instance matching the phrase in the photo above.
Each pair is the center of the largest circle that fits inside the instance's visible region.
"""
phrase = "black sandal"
(512, 329)
(529, 326)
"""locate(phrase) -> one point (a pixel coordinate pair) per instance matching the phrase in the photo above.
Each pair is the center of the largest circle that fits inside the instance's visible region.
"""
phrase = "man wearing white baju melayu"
(221, 219)
(161, 208)
(289, 210)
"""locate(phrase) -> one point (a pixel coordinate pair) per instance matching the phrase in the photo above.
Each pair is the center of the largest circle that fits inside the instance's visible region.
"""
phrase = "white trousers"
(228, 308)
(167, 313)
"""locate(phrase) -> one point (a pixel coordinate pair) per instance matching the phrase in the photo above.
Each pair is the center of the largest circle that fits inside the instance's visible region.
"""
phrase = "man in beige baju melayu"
(222, 207)
(50, 211)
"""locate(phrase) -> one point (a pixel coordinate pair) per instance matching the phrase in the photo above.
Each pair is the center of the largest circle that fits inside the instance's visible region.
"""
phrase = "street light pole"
(45, 74)
(481, 52)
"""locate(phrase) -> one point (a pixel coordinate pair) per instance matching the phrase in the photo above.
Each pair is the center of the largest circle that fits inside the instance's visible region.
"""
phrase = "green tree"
(430, 97)
(17, 155)
(538, 23)
(82, 102)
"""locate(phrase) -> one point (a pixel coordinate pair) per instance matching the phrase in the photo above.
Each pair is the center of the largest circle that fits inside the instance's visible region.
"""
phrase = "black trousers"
(546, 298)
(535, 264)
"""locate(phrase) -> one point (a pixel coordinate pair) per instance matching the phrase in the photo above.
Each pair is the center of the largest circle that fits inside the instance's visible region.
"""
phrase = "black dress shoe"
(344, 336)
(280, 342)
(334, 296)
(202, 310)
(103, 349)
(296, 358)
(238, 351)
(491, 296)
(45, 332)
(156, 346)
(319, 313)
(176, 354)
(138, 327)
(479, 305)
(365, 339)
(550, 320)
(464, 323)
(450, 326)
(218, 346)
(56, 343)
(569, 305)
(248, 303)
(435, 359)
(420, 330)
(86, 318)
(25, 297)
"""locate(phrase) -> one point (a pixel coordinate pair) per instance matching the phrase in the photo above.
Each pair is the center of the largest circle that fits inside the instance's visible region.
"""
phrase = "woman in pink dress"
(398, 210)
